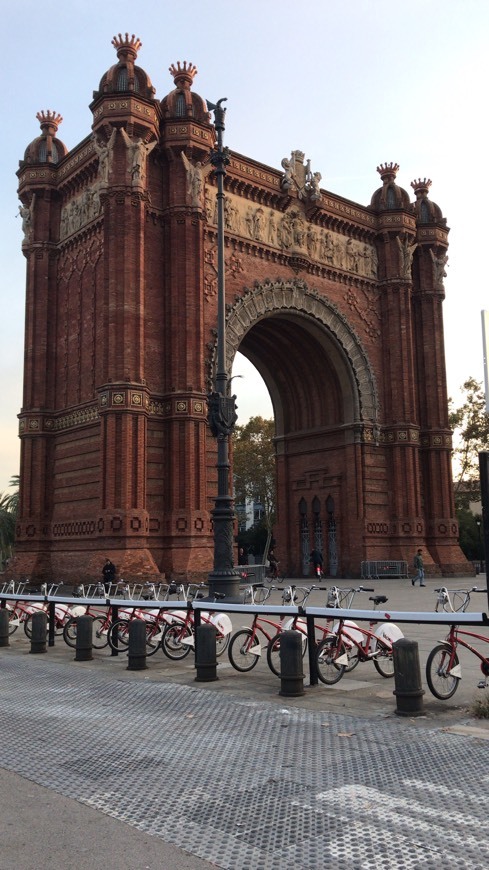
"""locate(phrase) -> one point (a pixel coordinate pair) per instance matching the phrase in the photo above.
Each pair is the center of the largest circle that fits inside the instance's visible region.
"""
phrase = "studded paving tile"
(242, 784)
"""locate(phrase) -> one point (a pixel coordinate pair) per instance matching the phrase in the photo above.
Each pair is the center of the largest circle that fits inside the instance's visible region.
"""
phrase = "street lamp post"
(222, 407)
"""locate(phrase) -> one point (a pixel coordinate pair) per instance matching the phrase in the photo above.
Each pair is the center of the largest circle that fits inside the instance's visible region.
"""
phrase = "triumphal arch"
(338, 305)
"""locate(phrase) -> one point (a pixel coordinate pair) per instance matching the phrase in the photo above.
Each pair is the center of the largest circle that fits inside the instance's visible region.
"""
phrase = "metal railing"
(387, 568)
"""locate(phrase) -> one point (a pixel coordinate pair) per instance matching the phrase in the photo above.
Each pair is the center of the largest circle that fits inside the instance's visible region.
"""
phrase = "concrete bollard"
(137, 646)
(39, 632)
(84, 629)
(407, 676)
(205, 653)
(291, 673)
(4, 627)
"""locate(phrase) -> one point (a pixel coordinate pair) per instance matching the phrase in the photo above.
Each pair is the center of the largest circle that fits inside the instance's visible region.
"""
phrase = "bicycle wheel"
(329, 660)
(273, 655)
(241, 648)
(441, 661)
(13, 621)
(222, 643)
(154, 634)
(69, 633)
(100, 632)
(172, 641)
(353, 659)
(384, 660)
(118, 635)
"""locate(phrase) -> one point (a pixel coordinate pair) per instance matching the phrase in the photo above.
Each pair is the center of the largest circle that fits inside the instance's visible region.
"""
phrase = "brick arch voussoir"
(295, 295)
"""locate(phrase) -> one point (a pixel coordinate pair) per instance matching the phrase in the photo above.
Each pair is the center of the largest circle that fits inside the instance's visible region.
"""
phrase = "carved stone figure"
(272, 229)
(299, 176)
(439, 272)
(196, 176)
(26, 213)
(406, 250)
(138, 152)
(315, 191)
(104, 152)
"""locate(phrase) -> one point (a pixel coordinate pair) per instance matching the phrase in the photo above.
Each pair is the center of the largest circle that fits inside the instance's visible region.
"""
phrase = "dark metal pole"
(484, 480)
(222, 408)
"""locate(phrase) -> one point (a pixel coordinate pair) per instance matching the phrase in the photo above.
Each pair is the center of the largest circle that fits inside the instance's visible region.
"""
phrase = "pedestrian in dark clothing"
(242, 556)
(316, 559)
(108, 573)
(419, 568)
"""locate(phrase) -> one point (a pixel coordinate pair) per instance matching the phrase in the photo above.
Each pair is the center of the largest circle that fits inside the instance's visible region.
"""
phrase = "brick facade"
(338, 305)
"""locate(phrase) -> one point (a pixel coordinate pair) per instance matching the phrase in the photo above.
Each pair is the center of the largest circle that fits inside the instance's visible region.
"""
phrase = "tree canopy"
(254, 465)
(470, 425)
(9, 504)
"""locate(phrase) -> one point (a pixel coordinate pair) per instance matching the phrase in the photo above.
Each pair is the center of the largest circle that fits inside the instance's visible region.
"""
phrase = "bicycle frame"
(455, 638)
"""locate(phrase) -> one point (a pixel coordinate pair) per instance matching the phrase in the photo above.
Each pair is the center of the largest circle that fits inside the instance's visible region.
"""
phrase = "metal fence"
(378, 569)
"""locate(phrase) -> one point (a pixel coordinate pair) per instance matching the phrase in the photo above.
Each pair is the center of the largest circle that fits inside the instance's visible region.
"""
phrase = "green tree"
(470, 425)
(254, 466)
(9, 505)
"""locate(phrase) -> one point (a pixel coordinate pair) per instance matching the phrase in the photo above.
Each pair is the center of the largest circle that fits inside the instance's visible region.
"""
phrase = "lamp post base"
(225, 583)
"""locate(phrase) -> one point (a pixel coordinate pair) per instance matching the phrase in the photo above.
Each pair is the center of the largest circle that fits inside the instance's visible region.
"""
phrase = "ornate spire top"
(49, 121)
(127, 48)
(183, 75)
(421, 186)
(388, 171)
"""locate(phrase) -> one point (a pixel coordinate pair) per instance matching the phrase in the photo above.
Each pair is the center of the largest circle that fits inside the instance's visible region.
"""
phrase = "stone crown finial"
(183, 74)
(388, 171)
(49, 119)
(127, 46)
(421, 185)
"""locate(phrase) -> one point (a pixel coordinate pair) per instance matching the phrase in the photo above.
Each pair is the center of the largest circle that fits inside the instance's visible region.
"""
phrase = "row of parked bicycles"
(340, 643)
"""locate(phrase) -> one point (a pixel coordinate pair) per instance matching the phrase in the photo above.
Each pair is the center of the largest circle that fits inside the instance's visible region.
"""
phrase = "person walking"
(419, 568)
(316, 559)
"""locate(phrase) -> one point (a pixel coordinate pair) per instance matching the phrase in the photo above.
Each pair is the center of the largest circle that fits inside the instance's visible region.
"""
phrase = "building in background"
(338, 305)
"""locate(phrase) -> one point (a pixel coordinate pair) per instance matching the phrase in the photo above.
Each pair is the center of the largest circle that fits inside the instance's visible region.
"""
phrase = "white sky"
(352, 83)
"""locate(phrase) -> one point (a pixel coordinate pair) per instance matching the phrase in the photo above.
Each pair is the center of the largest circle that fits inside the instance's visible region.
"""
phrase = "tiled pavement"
(240, 777)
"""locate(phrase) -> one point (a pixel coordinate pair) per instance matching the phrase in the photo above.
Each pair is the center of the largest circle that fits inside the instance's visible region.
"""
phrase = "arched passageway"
(323, 392)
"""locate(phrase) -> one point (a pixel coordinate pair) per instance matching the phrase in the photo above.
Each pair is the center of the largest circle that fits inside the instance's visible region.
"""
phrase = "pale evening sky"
(352, 83)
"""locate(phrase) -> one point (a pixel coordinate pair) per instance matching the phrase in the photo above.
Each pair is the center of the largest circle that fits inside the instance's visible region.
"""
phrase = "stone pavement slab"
(237, 775)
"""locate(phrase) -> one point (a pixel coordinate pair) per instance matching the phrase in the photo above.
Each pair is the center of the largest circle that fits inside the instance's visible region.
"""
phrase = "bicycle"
(443, 670)
(453, 600)
(245, 647)
(101, 626)
(347, 642)
(179, 635)
(336, 598)
(256, 593)
(156, 620)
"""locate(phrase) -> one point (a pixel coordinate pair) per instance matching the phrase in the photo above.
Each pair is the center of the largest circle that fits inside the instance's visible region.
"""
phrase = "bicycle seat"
(378, 599)
(218, 595)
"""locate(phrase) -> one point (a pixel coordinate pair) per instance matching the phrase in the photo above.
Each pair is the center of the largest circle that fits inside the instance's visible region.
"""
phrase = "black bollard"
(84, 629)
(137, 645)
(205, 653)
(407, 676)
(39, 632)
(4, 627)
(291, 674)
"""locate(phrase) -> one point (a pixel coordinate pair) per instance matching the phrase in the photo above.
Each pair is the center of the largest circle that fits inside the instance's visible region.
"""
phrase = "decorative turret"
(182, 103)
(46, 148)
(426, 212)
(390, 195)
(124, 77)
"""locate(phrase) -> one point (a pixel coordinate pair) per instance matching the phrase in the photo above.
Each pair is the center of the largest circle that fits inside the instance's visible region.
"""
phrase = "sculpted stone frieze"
(293, 233)
(80, 210)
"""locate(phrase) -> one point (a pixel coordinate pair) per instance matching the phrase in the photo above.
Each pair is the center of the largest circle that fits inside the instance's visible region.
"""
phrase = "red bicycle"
(350, 644)
(443, 670)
